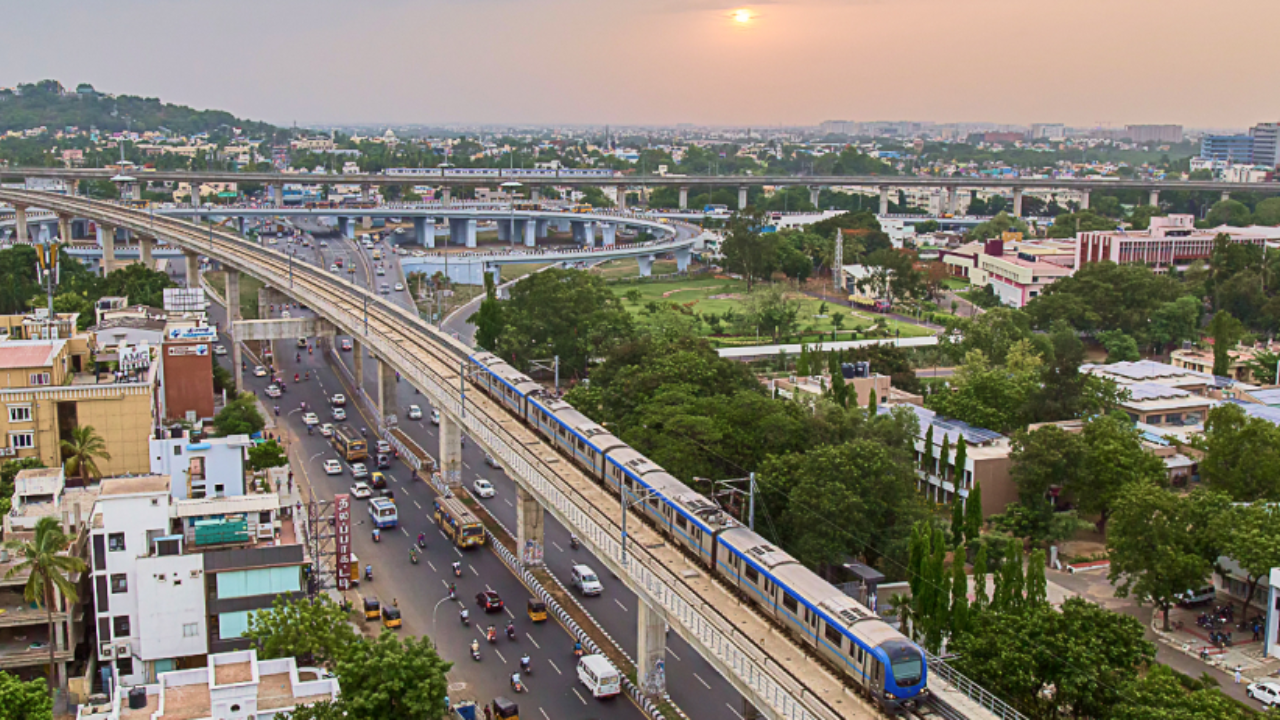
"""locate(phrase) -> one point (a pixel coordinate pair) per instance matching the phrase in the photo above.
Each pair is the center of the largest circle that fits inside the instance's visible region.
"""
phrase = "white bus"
(600, 676)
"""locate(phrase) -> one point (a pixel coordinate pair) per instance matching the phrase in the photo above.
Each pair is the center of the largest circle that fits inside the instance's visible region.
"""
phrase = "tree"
(980, 571)
(314, 628)
(992, 397)
(893, 275)
(926, 457)
(1250, 535)
(1105, 296)
(394, 678)
(1114, 457)
(1037, 587)
(959, 599)
(24, 700)
(1267, 212)
(322, 710)
(47, 567)
(1175, 322)
(1228, 212)
(1049, 664)
(1161, 694)
(1120, 347)
(973, 512)
(957, 521)
(1009, 596)
(267, 455)
(1150, 547)
(239, 417)
(944, 457)
(81, 451)
(747, 250)
(488, 319)
(1243, 456)
(1226, 332)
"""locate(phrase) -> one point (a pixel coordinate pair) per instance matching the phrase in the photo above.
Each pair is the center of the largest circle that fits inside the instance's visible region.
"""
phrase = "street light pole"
(622, 493)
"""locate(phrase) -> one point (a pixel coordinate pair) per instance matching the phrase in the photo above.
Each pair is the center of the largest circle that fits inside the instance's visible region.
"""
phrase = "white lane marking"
(673, 654)
(465, 465)
(544, 713)
(455, 549)
(486, 587)
(504, 607)
(624, 607)
(575, 692)
(553, 542)
(406, 532)
(508, 502)
(415, 502)
(535, 642)
(433, 567)
(473, 570)
(553, 666)
(735, 712)
(504, 660)
(704, 682)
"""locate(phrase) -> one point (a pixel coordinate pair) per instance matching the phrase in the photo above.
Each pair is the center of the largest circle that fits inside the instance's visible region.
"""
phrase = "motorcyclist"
(464, 616)
(413, 554)
(491, 633)
(453, 591)
(422, 538)
(277, 410)
(515, 681)
(368, 571)
(364, 432)
(573, 541)
(511, 629)
(475, 647)
(457, 568)
(295, 378)
(524, 663)
(577, 648)
(297, 357)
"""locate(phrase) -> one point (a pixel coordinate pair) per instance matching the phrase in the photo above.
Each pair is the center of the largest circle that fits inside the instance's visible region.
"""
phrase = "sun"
(742, 16)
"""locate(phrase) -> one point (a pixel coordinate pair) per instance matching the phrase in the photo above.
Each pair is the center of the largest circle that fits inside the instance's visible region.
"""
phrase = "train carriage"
(583, 440)
(503, 382)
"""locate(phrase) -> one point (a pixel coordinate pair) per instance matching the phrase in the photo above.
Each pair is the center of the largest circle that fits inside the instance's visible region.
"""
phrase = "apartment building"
(207, 467)
(47, 392)
(1172, 241)
(175, 579)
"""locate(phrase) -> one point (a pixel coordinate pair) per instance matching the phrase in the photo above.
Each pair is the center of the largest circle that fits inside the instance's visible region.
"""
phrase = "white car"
(326, 430)
(285, 315)
(219, 350)
(435, 417)
(333, 268)
(483, 488)
(361, 490)
(259, 371)
(332, 467)
(310, 419)
(1268, 693)
(339, 414)
(338, 400)
(585, 579)
(491, 461)
(384, 447)
(358, 470)
(399, 287)
(415, 412)
(380, 272)
(273, 391)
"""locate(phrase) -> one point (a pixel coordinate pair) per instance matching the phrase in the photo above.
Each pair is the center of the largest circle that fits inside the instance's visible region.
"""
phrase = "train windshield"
(906, 661)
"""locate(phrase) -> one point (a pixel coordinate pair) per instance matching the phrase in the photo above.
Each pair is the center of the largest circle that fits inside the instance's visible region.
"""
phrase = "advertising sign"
(342, 527)
(181, 350)
(192, 333)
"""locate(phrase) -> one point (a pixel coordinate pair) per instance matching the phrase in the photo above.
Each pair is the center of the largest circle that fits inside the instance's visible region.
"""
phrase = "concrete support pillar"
(72, 186)
(450, 450)
(386, 391)
(470, 235)
(448, 195)
(1017, 202)
(535, 194)
(351, 229)
(232, 293)
(193, 268)
(504, 230)
(146, 247)
(366, 191)
(651, 651)
(108, 248)
(646, 265)
(277, 192)
(529, 524)
(952, 199)
(1084, 199)
(64, 229)
(684, 198)
(357, 363)
(496, 271)
(240, 225)
(424, 231)
(814, 194)
(542, 227)
(742, 197)
(884, 199)
(1226, 195)
(589, 234)
(366, 222)
(1154, 198)
(610, 232)
(622, 197)
(20, 224)
(564, 224)
(530, 233)
(682, 259)
(237, 361)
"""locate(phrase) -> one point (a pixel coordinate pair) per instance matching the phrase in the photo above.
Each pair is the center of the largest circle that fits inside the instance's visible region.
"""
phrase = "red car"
(489, 601)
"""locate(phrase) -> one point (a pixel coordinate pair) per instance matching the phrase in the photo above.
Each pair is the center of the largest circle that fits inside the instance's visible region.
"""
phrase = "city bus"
(350, 445)
(458, 524)
(383, 512)
(580, 208)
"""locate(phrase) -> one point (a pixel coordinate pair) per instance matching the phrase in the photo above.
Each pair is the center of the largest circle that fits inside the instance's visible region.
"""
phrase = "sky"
(1199, 63)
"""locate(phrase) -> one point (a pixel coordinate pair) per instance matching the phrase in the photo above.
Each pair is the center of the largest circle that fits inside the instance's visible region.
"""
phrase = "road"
(553, 688)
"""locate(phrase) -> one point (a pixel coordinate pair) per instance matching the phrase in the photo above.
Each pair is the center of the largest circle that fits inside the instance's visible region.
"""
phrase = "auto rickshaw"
(537, 610)
(372, 610)
(390, 616)
(505, 709)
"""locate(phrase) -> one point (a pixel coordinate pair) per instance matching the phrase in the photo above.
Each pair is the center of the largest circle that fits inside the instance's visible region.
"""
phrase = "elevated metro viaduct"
(766, 666)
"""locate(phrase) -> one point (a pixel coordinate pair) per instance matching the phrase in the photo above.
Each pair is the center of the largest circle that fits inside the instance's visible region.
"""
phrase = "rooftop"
(1144, 391)
(1142, 370)
(948, 427)
(29, 353)
(135, 485)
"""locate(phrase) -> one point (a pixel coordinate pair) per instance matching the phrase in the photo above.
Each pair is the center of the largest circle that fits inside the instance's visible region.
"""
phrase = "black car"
(489, 601)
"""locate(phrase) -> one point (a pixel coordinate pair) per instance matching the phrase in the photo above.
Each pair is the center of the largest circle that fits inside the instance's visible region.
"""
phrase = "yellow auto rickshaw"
(537, 610)
(371, 608)
(505, 709)
(390, 616)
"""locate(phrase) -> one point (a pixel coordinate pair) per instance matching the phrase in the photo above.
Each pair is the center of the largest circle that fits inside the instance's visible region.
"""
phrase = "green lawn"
(629, 267)
(515, 271)
(249, 287)
(706, 294)
(955, 284)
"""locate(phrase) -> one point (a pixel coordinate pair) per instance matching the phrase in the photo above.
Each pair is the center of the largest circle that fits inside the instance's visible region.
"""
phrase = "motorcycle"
(511, 632)
(516, 685)
(453, 592)
(457, 570)
(573, 541)
(277, 411)
(413, 558)
(377, 535)
(491, 635)
(525, 666)
(422, 541)
(475, 650)
(368, 573)
(577, 650)
(465, 617)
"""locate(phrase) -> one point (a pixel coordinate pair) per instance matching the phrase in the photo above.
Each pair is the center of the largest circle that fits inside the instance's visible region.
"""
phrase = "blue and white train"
(504, 172)
(872, 654)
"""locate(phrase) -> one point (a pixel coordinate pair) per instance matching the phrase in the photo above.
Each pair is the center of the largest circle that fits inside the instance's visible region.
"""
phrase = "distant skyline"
(662, 62)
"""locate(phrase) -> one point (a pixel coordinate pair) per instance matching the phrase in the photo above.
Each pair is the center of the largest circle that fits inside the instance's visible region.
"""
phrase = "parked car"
(1268, 693)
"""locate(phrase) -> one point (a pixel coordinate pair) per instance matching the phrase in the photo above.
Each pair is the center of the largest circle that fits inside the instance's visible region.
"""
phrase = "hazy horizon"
(663, 62)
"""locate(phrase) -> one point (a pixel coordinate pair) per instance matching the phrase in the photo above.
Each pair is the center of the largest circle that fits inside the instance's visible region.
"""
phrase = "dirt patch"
(727, 296)
(669, 293)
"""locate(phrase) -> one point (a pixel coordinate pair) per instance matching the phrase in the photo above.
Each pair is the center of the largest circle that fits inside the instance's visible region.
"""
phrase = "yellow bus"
(580, 208)
(458, 524)
(377, 254)
(350, 445)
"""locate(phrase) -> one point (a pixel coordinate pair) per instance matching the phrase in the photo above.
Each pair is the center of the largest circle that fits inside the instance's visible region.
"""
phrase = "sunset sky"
(1082, 62)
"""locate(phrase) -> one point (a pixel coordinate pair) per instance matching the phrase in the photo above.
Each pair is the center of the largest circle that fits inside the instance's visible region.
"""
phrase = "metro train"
(504, 172)
(851, 637)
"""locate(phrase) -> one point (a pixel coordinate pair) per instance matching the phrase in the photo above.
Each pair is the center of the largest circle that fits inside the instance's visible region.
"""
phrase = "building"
(986, 461)
(1242, 356)
(24, 634)
(1154, 133)
(207, 467)
(36, 325)
(862, 383)
(1182, 377)
(1017, 279)
(225, 686)
(175, 579)
(1265, 151)
(187, 380)
(48, 391)
(1231, 148)
(1163, 407)
(1048, 131)
(1170, 241)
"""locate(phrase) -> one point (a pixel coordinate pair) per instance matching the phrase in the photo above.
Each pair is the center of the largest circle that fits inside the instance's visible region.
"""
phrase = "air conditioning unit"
(105, 651)
(123, 650)
(195, 573)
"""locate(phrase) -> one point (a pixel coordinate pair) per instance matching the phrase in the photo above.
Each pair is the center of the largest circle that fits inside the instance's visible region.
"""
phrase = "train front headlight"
(890, 696)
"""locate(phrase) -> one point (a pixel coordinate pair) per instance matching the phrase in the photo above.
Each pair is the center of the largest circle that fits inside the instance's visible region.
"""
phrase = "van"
(584, 578)
(1197, 597)
(599, 675)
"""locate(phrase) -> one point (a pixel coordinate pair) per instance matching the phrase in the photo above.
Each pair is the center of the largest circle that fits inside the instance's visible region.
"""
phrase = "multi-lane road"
(421, 590)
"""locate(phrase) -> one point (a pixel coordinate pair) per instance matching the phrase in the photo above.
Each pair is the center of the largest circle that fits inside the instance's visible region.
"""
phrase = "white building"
(211, 467)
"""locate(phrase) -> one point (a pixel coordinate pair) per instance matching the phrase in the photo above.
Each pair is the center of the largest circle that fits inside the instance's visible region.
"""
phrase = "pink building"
(1171, 241)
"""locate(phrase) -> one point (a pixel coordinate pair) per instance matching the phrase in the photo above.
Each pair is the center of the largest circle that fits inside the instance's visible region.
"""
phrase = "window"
(833, 635)
(22, 440)
(19, 413)
(119, 584)
(753, 577)
(39, 379)
(1154, 419)
(104, 629)
(120, 626)
(191, 630)
(115, 541)
(177, 450)
(124, 666)
(790, 603)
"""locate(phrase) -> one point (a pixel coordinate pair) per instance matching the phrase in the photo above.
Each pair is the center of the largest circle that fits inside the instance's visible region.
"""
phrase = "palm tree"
(81, 451)
(48, 570)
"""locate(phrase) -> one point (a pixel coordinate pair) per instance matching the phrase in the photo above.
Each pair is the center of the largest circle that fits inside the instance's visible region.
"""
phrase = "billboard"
(192, 333)
(182, 300)
(342, 528)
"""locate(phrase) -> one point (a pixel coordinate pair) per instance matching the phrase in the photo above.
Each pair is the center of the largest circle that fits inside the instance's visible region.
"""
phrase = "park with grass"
(727, 314)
